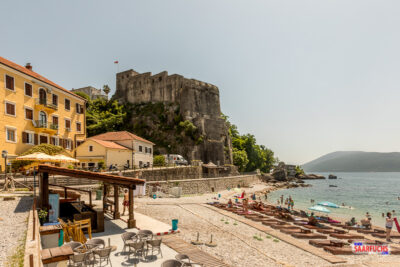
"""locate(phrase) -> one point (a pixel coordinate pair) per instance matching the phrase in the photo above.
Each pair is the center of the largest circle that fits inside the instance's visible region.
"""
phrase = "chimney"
(28, 66)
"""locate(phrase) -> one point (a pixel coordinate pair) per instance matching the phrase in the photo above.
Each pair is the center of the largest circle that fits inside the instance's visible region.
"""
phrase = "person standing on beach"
(389, 225)
(266, 196)
(125, 203)
(281, 199)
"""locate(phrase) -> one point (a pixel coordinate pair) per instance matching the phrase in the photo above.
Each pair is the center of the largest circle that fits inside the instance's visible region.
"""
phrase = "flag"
(116, 62)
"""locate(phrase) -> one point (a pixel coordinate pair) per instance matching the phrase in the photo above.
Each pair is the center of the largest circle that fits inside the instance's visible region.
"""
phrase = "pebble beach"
(13, 223)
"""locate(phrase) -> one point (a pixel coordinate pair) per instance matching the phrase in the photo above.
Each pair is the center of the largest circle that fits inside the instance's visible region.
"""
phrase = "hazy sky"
(305, 77)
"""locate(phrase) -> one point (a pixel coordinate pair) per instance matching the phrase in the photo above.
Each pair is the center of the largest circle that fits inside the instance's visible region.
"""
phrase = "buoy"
(197, 241)
(211, 243)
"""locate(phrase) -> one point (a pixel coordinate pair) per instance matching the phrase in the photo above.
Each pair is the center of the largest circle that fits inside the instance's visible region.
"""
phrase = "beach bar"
(107, 179)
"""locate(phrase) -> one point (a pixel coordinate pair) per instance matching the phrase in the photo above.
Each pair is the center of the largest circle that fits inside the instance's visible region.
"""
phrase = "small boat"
(331, 185)
(331, 176)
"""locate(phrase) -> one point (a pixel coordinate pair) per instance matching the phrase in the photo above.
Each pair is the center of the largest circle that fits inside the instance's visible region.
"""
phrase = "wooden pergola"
(114, 180)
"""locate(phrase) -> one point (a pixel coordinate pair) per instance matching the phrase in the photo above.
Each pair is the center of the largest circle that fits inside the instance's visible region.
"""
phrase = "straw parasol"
(37, 156)
(63, 158)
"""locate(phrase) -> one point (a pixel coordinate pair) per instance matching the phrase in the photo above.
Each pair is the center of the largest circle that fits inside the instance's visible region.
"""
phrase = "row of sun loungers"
(298, 228)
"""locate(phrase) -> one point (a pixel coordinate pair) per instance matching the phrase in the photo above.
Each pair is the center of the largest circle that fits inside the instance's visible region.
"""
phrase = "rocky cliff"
(180, 115)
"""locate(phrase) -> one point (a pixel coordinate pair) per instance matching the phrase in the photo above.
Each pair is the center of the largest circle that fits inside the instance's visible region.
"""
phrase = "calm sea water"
(375, 192)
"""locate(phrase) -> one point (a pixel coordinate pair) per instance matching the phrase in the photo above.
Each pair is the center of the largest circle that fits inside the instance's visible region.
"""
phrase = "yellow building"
(34, 110)
(115, 148)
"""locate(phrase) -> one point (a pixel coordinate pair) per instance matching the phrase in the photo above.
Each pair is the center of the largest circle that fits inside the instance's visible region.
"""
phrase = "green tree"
(159, 161)
(240, 159)
(258, 156)
(106, 89)
(299, 170)
(103, 116)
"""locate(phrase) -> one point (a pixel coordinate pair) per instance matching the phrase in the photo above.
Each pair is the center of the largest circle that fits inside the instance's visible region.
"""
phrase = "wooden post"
(131, 220)
(90, 198)
(104, 196)
(44, 191)
(117, 215)
(65, 192)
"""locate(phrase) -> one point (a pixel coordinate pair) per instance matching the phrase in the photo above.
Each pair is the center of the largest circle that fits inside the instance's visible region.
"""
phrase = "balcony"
(45, 127)
(41, 102)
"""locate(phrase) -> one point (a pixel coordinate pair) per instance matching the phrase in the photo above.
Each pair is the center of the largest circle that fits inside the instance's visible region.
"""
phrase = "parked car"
(175, 159)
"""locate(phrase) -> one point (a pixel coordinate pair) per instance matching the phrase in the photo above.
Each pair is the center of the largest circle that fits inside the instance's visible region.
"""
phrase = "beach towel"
(397, 224)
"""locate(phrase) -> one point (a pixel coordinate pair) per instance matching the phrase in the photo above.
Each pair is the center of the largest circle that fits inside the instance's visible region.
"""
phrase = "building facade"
(116, 148)
(35, 110)
(92, 92)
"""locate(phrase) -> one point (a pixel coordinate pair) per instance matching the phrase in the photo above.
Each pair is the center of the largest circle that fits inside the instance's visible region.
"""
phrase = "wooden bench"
(57, 254)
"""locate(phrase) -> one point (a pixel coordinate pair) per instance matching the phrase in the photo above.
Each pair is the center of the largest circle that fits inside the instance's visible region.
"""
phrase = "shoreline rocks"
(311, 176)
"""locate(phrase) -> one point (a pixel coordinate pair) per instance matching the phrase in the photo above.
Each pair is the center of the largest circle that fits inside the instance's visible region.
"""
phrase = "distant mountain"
(355, 161)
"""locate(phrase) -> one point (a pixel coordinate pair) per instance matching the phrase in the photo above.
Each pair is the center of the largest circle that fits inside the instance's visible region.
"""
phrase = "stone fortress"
(198, 102)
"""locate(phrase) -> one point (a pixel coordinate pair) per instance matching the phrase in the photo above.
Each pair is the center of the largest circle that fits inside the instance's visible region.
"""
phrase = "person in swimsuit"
(389, 225)
(126, 201)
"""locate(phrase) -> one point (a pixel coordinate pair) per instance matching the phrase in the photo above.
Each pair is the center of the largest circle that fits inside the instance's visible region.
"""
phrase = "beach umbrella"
(319, 209)
(328, 204)
(37, 156)
(63, 158)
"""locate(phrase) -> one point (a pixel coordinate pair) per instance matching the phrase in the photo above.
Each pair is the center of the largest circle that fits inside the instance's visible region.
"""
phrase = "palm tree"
(106, 89)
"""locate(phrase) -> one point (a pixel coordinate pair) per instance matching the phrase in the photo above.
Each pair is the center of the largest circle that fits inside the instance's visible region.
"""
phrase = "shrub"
(101, 164)
(159, 161)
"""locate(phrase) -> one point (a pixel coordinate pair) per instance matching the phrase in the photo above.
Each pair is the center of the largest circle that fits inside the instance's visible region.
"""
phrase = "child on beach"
(389, 225)
(230, 203)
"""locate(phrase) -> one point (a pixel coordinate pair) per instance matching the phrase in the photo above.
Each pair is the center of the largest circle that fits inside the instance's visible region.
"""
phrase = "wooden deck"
(195, 254)
(284, 237)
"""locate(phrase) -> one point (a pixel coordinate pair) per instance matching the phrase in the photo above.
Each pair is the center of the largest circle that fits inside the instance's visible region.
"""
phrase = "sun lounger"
(310, 226)
(324, 243)
(365, 231)
(381, 235)
(352, 227)
(284, 226)
(346, 236)
(301, 223)
(325, 231)
(308, 236)
(339, 250)
(269, 223)
(365, 241)
(290, 230)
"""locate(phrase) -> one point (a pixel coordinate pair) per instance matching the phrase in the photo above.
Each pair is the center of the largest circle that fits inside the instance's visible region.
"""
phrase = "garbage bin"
(98, 194)
(175, 224)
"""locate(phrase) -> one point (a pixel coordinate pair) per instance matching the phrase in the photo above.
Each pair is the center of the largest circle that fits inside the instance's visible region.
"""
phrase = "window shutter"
(24, 137)
(51, 140)
(36, 140)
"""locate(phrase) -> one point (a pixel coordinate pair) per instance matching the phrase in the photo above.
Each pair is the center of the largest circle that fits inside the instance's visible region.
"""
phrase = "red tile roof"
(34, 75)
(119, 136)
(108, 144)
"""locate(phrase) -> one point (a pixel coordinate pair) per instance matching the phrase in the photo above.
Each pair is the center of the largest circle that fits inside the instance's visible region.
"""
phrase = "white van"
(175, 159)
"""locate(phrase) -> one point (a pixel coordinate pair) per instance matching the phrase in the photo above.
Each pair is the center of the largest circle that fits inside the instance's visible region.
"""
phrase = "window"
(68, 144)
(10, 109)
(28, 114)
(10, 82)
(27, 138)
(149, 150)
(67, 104)
(79, 108)
(79, 142)
(55, 100)
(55, 120)
(28, 89)
(78, 126)
(55, 141)
(140, 148)
(68, 124)
(145, 149)
(11, 135)
(43, 139)
(90, 148)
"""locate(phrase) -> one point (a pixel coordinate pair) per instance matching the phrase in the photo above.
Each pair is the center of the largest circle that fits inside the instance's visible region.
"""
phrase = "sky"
(305, 77)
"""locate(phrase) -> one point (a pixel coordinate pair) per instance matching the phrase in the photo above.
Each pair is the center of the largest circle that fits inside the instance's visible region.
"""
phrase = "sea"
(373, 192)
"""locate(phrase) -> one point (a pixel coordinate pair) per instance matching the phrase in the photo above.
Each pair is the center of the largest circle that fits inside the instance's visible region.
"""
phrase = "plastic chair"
(128, 238)
(103, 254)
(155, 245)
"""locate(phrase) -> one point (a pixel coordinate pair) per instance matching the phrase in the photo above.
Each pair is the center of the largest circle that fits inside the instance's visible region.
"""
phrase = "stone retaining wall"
(205, 185)
(32, 243)
(166, 174)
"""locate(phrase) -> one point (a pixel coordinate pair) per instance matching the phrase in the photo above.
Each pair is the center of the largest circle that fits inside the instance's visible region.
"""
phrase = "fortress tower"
(198, 102)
